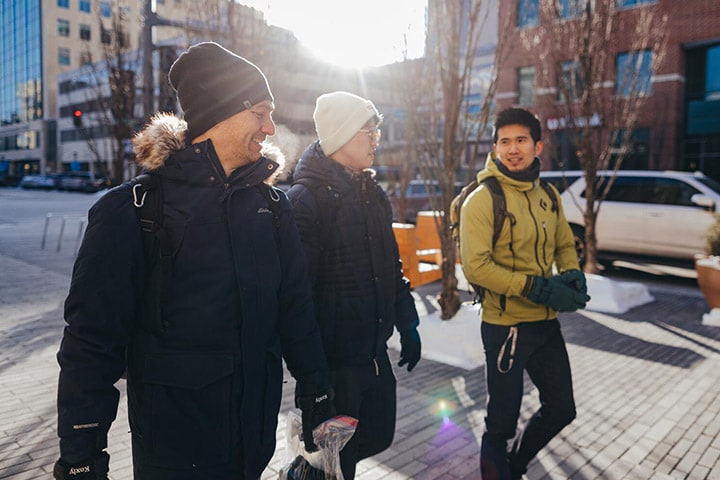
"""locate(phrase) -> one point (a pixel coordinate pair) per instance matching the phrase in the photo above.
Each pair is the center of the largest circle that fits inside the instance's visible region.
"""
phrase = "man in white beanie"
(345, 224)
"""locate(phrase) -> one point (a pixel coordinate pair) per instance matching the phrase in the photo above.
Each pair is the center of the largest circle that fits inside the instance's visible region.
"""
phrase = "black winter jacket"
(210, 372)
(345, 223)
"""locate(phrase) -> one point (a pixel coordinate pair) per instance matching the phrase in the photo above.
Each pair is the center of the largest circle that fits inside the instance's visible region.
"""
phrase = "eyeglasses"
(373, 133)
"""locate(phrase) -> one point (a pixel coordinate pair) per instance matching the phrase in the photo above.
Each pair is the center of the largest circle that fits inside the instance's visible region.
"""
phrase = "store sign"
(558, 123)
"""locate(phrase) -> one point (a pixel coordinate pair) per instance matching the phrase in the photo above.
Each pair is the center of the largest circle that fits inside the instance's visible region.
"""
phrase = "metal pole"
(47, 223)
(62, 230)
(147, 49)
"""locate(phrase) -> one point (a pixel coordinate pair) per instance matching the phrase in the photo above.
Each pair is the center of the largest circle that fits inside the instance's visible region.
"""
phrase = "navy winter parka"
(208, 373)
(345, 222)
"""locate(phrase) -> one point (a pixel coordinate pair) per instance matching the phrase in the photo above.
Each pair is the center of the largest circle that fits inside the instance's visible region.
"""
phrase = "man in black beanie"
(200, 305)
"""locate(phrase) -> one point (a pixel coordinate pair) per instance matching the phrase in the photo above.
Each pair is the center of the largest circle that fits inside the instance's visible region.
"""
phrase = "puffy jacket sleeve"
(99, 312)
(476, 230)
(299, 332)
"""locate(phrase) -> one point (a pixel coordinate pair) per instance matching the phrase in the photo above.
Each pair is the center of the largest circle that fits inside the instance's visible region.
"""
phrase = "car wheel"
(579, 237)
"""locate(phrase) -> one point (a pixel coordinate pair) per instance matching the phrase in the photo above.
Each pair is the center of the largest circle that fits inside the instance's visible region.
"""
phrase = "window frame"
(624, 61)
(63, 27)
(64, 56)
(526, 96)
(528, 13)
(576, 86)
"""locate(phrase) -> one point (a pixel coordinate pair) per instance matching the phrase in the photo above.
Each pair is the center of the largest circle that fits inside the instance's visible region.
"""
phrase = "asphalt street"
(646, 381)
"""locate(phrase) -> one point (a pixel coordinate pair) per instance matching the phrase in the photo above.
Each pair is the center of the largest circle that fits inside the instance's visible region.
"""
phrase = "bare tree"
(439, 121)
(111, 98)
(600, 97)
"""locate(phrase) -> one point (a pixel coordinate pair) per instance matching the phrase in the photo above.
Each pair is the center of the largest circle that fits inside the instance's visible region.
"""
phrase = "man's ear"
(538, 147)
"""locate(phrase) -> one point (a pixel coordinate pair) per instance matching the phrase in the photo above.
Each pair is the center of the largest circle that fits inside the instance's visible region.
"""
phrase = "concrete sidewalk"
(646, 385)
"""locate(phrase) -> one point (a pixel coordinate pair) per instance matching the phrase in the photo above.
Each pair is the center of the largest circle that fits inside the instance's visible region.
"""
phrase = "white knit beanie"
(338, 116)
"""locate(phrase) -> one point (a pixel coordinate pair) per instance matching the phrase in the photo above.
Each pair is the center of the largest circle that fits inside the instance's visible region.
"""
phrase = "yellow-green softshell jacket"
(537, 238)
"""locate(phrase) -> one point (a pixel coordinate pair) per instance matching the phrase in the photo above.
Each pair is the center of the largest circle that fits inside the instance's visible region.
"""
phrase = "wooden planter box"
(708, 277)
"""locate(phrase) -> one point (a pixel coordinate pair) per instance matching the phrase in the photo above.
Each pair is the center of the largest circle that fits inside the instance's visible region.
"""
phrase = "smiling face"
(515, 147)
(359, 152)
(238, 139)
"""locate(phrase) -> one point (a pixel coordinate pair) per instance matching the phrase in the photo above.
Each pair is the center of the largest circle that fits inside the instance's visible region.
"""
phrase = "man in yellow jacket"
(523, 296)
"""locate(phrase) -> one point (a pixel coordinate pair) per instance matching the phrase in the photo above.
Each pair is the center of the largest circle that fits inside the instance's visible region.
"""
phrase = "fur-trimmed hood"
(165, 135)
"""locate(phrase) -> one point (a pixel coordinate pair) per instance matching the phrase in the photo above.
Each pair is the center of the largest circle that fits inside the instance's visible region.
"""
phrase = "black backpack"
(500, 213)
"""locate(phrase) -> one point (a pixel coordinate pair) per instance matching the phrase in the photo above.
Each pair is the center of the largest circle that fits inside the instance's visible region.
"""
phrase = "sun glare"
(351, 33)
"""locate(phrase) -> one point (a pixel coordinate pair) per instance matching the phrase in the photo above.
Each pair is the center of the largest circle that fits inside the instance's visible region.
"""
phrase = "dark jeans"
(539, 349)
(370, 396)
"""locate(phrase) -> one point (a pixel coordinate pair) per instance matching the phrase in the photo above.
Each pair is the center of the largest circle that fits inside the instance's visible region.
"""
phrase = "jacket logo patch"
(263, 210)
(543, 204)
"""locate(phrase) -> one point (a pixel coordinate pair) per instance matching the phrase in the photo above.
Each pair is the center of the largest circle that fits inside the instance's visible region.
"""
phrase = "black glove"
(574, 279)
(409, 348)
(315, 410)
(556, 295)
(92, 469)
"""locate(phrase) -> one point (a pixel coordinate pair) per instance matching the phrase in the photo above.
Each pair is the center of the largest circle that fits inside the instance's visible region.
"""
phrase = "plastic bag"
(324, 464)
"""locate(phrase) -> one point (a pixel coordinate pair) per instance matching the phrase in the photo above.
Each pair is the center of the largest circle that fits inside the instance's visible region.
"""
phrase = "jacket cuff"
(528, 285)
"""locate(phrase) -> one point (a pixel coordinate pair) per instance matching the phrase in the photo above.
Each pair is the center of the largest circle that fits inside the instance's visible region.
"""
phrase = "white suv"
(654, 213)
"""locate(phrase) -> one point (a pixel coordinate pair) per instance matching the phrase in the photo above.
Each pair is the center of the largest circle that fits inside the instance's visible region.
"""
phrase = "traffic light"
(77, 117)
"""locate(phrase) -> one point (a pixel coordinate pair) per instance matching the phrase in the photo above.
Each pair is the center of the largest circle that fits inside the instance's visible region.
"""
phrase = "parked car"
(9, 180)
(561, 179)
(648, 213)
(82, 182)
(43, 182)
(417, 198)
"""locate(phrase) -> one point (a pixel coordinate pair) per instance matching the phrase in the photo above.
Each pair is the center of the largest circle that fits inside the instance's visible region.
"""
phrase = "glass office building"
(24, 143)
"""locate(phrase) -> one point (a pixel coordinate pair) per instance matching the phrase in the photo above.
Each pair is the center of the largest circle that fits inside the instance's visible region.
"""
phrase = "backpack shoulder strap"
(500, 212)
(552, 194)
(147, 197)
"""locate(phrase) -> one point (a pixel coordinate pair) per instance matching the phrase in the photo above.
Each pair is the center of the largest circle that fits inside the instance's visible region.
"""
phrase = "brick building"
(678, 125)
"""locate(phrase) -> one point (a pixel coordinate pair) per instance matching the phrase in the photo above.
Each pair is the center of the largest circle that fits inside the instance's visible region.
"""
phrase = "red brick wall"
(689, 22)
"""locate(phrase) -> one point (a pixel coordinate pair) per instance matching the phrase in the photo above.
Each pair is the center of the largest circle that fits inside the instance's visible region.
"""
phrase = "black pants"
(539, 349)
(368, 394)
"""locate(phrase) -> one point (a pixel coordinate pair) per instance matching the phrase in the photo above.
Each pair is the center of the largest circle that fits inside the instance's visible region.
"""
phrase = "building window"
(64, 56)
(528, 13)
(85, 58)
(634, 73)
(124, 12)
(105, 36)
(84, 32)
(105, 9)
(632, 3)
(122, 39)
(84, 6)
(571, 83)
(526, 85)
(63, 3)
(570, 8)
(63, 27)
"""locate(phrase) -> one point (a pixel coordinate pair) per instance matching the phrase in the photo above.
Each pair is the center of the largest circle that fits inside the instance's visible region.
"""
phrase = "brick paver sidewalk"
(646, 383)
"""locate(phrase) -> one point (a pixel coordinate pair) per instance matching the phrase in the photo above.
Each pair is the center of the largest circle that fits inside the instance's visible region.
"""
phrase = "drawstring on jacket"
(512, 338)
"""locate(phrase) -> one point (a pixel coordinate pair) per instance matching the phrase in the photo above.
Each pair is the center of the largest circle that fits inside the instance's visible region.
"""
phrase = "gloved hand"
(409, 348)
(556, 295)
(92, 469)
(315, 410)
(574, 279)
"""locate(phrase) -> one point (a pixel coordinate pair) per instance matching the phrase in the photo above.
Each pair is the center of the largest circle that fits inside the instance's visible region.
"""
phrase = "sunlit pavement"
(646, 385)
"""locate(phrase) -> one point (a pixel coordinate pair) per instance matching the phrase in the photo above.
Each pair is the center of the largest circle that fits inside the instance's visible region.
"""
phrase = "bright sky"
(351, 33)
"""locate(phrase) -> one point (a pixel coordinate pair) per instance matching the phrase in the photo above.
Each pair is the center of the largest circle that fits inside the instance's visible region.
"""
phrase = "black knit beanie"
(213, 84)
